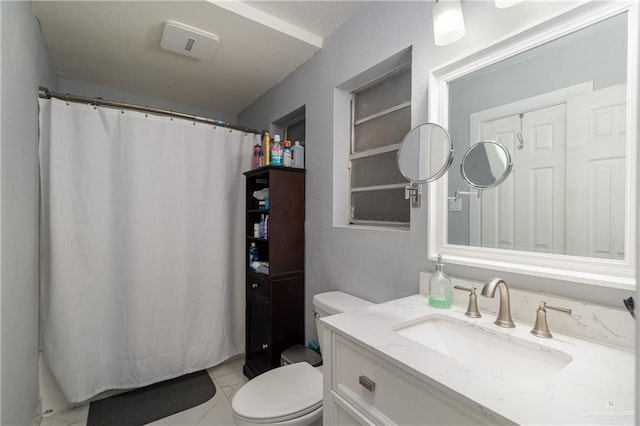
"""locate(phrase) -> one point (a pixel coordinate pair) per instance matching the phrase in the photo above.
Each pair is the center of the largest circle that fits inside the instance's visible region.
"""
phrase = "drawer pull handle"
(367, 383)
(265, 346)
(254, 285)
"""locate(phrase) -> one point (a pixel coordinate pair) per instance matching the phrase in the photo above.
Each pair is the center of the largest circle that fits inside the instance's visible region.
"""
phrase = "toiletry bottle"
(266, 227)
(440, 288)
(276, 151)
(256, 156)
(298, 155)
(262, 227)
(287, 156)
(266, 148)
(253, 253)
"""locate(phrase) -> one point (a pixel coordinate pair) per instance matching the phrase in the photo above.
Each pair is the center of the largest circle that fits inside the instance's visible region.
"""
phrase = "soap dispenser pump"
(440, 287)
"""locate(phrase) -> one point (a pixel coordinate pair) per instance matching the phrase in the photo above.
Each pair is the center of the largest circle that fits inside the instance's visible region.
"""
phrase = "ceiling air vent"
(189, 41)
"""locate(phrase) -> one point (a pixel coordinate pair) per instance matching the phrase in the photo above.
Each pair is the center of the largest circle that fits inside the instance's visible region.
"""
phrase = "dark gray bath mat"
(153, 402)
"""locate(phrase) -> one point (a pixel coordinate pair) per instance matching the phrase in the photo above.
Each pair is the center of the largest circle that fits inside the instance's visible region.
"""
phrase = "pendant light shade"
(448, 22)
(503, 4)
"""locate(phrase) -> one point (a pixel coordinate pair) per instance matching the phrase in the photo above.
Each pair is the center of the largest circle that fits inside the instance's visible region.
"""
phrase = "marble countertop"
(596, 387)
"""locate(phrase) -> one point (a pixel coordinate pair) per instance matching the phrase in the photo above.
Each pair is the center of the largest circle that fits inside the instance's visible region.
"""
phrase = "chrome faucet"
(504, 313)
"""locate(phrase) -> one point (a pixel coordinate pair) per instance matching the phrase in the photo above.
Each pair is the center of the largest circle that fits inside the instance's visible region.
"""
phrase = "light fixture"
(503, 4)
(448, 22)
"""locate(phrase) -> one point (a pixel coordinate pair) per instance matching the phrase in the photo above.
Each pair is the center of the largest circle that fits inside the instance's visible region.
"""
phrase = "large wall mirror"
(561, 97)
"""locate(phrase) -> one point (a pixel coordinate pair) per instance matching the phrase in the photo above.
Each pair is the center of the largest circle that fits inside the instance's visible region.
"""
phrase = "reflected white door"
(533, 195)
(540, 174)
(496, 221)
(596, 173)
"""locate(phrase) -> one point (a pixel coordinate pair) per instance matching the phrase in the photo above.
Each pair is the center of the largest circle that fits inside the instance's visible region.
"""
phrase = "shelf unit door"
(286, 222)
(258, 343)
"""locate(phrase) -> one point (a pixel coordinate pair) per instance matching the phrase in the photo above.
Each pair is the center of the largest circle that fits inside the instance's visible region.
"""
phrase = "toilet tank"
(334, 302)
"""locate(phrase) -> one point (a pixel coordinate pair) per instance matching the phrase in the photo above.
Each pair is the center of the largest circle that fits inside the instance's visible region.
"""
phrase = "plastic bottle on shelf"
(266, 148)
(276, 151)
(262, 227)
(256, 156)
(298, 155)
(287, 155)
(253, 253)
(266, 227)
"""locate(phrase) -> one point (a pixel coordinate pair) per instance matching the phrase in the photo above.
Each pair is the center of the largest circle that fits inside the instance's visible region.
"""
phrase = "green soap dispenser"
(440, 287)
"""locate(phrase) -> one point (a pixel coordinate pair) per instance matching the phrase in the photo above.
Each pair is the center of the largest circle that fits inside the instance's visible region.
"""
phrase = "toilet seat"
(280, 394)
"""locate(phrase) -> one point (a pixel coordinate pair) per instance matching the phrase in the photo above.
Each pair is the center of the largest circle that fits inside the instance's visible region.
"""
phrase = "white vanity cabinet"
(374, 374)
(361, 388)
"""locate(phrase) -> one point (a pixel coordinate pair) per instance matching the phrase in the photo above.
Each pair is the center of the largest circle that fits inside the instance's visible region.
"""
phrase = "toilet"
(291, 394)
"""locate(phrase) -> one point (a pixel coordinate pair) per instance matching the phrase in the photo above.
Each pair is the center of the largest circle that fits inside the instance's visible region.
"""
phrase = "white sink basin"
(493, 352)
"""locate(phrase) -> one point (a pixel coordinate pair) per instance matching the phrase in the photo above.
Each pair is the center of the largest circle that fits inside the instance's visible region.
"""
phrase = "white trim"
(382, 113)
(602, 272)
(533, 103)
(375, 151)
(378, 187)
(273, 22)
(378, 224)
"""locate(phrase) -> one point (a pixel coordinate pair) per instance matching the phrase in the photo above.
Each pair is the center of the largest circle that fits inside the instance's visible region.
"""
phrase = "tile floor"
(227, 377)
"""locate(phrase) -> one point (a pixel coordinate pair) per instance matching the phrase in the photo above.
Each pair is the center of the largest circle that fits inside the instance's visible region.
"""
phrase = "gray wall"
(24, 65)
(380, 265)
(94, 91)
(577, 58)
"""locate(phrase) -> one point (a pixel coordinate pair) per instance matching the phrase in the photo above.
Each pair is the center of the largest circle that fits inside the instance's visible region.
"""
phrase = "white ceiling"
(117, 44)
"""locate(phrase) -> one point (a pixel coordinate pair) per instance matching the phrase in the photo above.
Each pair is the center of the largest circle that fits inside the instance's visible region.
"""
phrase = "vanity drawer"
(344, 414)
(387, 395)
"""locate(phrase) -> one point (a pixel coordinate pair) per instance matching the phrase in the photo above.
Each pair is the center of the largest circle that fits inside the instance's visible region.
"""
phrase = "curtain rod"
(45, 93)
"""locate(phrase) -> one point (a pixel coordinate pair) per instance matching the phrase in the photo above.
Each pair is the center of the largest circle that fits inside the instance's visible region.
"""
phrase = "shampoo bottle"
(440, 288)
(287, 157)
(298, 155)
(266, 149)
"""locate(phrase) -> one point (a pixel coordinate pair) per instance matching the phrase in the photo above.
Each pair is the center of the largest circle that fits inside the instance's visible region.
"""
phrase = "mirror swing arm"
(458, 193)
(413, 192)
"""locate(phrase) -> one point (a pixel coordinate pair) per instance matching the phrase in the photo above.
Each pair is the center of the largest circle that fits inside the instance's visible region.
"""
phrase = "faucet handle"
(541, 327)
(472, 310)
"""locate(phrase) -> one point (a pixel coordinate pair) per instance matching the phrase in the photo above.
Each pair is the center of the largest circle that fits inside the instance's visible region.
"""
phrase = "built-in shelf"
(264, 240)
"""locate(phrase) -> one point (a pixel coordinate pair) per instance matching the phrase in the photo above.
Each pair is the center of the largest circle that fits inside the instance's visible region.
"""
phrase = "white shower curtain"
(142, 234)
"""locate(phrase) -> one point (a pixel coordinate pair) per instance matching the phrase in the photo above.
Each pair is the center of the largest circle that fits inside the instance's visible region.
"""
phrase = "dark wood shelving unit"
(275, 302)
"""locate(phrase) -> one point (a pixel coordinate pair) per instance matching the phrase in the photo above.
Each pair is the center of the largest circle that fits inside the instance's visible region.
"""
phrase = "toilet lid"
(280, 394)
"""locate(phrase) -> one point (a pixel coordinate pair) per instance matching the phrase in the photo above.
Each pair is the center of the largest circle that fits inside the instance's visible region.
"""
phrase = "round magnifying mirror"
(486, 164)
(425, 154)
